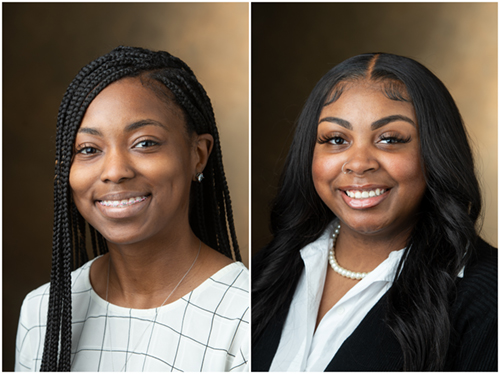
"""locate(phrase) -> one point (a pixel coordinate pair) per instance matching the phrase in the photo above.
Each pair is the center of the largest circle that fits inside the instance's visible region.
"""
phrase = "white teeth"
(122, 203)
(364, 194)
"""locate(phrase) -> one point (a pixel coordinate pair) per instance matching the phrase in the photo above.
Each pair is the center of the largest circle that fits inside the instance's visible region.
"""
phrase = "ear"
(203, 144)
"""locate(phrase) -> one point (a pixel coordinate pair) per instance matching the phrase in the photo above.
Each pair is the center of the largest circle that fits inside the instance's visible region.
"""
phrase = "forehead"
(128, 99)
(367, 99)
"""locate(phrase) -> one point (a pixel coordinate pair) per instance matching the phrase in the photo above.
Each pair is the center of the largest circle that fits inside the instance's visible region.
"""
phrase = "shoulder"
(475, 305)
(38, 299)
(478, 287)
(31, 328)
(223, 303)
(225, 292)
(233, 279)
(474, 314)
(484, 259)
(33, 319)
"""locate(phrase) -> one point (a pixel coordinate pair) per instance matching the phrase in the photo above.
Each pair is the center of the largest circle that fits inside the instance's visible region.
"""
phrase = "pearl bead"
(335, 266)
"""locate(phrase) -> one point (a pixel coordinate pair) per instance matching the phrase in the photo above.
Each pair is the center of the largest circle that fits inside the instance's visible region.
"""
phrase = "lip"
(364, 187)
(367, 203)
(121, 195)
(121, 212)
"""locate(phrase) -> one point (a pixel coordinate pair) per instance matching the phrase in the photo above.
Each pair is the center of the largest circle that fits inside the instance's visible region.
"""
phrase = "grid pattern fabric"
(206, 330)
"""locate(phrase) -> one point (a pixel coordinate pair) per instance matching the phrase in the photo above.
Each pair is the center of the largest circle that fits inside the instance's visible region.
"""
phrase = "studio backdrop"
(44, 47)
(294, 45)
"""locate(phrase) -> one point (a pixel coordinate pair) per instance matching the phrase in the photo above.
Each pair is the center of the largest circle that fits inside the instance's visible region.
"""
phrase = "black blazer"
(373, 347)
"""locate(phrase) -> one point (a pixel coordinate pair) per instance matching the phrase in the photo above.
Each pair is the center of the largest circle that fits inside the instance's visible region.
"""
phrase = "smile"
(364, 194)
(364, 198)
(122, 203)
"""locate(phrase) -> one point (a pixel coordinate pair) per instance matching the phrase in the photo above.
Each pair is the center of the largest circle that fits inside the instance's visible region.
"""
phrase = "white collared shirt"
(300, 347)
(303, 349)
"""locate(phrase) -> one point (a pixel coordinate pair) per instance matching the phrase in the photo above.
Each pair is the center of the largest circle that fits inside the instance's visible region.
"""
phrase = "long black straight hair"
(442, 240)
(210, 216)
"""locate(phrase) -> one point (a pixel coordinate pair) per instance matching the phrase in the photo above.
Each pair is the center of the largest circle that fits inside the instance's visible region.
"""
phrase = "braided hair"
(210, 215)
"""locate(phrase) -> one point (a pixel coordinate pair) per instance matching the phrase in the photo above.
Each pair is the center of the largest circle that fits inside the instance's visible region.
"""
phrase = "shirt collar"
(317, 252)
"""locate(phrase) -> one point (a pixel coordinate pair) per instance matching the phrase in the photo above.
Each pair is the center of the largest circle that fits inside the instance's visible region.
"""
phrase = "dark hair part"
(443, 239)
(210, 216)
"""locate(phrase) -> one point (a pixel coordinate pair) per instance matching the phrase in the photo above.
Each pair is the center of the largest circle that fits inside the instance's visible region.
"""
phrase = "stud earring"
(199, 177)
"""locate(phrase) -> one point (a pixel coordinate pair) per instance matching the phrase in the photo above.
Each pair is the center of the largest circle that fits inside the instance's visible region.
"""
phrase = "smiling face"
(375, 140)
(133, 165)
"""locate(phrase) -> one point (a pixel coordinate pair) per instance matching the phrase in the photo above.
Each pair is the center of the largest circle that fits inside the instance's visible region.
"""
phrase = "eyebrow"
(144, 122)
(397, 117)
(133, 126)
(338, 121)
(374, 126)
(89, 130)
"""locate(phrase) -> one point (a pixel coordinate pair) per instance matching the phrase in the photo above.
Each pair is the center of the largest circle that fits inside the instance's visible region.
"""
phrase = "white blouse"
(205, 330)
(300, 347)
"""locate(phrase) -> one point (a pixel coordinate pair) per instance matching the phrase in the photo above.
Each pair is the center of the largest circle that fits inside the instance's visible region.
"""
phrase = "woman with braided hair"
(138, 169)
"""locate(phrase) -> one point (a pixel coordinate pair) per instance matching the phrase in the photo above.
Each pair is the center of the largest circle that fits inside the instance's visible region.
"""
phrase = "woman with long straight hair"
(139, 177)
(376, 262)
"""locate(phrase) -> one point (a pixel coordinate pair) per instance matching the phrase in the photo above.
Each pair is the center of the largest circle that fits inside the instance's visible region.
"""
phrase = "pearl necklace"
(334, 264)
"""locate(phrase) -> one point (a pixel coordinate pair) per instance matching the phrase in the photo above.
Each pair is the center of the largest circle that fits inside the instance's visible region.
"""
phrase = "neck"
(142, 275)
(363, 252)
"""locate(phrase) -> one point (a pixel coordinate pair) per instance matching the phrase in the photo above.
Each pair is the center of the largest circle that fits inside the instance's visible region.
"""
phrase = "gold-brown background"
(294, 45)
(44, 47)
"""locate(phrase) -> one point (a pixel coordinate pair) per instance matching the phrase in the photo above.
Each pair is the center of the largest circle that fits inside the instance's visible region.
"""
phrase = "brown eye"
(146, 143)
(337, 140)
(333, 140)
(394, 139)
(87, 150)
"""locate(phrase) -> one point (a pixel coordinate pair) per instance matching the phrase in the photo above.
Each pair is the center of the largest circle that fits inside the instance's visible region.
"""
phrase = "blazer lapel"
(267, 345)
(371, 347)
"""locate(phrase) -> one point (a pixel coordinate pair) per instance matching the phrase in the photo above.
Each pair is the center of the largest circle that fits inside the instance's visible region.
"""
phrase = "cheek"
(174, 165)
(325, 170)
(169, 176)
(408, 172)
(78, 182)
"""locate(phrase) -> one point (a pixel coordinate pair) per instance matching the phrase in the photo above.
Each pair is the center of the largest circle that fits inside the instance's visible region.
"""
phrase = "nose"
(116, 167)
(361, 161)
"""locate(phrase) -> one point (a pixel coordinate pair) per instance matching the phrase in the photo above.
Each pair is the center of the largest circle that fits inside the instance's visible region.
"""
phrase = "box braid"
(210, 216)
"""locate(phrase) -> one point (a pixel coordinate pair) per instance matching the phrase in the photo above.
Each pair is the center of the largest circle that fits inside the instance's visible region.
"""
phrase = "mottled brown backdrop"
(44, 47)
(294, 45)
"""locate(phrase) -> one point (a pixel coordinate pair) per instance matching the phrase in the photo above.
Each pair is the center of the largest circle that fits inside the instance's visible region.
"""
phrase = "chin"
(367, 230)
(121, 240)
(366, 226)
(123, 236)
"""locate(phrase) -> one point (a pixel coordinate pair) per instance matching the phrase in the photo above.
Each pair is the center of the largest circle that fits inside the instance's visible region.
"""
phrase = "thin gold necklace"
(127, 358)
